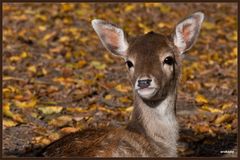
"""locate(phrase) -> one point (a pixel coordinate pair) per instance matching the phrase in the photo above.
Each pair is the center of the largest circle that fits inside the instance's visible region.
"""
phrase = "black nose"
(144, 83)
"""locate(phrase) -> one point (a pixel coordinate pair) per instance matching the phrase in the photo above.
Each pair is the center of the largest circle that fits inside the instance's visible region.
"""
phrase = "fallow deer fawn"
(154, 63)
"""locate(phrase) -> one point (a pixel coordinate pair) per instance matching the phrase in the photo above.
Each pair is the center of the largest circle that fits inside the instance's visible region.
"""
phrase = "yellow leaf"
(108, 97)
(64, 39)
(210, 109)
(164, 8)
(9, 67)
(81, 64)
(129, 109)
(7, 112)
(41, 140)
(201, 99)
(14, 58)
(123, 88)
(60, 121)
(228, 126)
(30, 104)
(162, 25)
(9, 123)
(209, 25)
(129, 8)
(234, 52)
(107, 58)
(42, 28)
(223, 118)
(99, 75)
(67, 7)
(234, 37)
(35, 115)
(32, 69)
(41, 17)
(124, 100)
(98, 65)
(9, 90)
(68, 55)
(145, 28)
(24, 55)
(48, 36)
(50, 109)
(44, 71)
(227, 105)
(100, 108)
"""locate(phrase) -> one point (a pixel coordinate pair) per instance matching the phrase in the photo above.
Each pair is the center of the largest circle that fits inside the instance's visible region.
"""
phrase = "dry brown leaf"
(67, 130)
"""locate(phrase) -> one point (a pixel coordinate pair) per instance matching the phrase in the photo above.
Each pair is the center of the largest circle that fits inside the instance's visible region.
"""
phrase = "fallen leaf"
(54, 136)
(210, 109)
(15, 58)
(209, 25)
(129, 109)
(107, 58)
(124, 100)
(67, 130)
(223, 118)
(201, 99)
(98, 65)
(24, 55)
(108, 97)
(9, 123)
(32, 69)
(129, 8)
(123, 88)
(81, 64)
(50, 109)
(226, 106)
(29, 104)
(7, 112)
(60, 121)
(41, 140)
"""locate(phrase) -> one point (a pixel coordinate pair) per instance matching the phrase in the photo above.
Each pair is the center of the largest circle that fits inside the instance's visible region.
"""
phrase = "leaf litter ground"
(58, 78)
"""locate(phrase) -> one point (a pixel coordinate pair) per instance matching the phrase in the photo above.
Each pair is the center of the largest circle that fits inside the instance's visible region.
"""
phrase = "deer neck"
(156, 120)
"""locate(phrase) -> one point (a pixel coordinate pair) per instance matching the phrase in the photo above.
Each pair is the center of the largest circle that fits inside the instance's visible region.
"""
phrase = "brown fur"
(153, 129)
(133, 140)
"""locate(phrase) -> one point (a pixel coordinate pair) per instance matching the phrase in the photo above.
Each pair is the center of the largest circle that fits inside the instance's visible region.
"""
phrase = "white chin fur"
(147, 92)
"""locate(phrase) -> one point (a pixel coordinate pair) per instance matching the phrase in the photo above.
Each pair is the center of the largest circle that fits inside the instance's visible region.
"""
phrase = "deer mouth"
(147, 93)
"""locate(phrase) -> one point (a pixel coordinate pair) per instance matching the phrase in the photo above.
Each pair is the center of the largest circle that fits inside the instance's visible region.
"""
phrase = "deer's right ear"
(111, 36)
(186, 32)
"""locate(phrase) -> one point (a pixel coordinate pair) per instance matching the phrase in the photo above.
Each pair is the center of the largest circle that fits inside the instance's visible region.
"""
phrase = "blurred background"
(58, 78)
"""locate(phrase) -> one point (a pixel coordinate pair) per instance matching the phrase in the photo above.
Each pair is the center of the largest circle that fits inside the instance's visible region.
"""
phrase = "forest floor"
(59, 79)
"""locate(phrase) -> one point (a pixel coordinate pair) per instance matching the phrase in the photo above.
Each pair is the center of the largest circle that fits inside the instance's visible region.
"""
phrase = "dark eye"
(168, 60)
(129, 64)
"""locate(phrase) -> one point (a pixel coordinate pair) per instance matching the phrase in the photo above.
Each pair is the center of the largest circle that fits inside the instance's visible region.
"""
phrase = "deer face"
(153, 60)
(153, 63)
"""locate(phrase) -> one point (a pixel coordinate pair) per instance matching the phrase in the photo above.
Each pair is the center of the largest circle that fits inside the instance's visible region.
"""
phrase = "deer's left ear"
(112, 37)
(186, 31)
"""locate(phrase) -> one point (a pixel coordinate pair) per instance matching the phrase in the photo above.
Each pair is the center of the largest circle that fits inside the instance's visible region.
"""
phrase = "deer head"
(153, 60)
